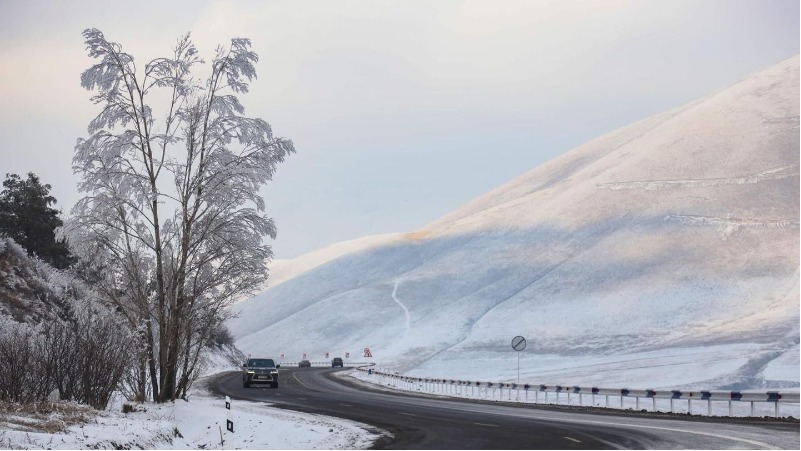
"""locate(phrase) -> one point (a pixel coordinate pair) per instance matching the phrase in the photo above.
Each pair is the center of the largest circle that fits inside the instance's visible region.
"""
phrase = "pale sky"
(401, 111)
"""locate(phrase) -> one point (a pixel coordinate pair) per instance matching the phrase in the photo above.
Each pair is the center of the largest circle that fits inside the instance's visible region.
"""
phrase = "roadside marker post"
(229, 424)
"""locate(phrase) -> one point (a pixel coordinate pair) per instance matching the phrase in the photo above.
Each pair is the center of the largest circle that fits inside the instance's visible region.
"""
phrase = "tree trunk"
(154, 381)
(185, 375)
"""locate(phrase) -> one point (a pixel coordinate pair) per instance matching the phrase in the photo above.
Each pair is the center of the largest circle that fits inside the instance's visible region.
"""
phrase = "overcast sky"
(400, 111)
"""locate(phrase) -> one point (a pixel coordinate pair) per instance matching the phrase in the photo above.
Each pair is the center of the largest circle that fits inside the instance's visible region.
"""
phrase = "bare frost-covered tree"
(172, 170)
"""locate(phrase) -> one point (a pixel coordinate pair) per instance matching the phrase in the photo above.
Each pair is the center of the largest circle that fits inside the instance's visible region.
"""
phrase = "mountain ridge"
(676, 234)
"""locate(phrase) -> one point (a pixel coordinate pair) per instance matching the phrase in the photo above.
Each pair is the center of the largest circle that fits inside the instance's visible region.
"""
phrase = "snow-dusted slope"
(665, 253)
(281, 270)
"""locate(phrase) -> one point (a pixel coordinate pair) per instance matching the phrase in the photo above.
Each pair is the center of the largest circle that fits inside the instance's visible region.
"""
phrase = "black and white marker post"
(229, 423)
(518, 344)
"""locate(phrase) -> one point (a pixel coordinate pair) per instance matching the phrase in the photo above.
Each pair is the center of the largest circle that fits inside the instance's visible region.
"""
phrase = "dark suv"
(337, 362)
(260, 371)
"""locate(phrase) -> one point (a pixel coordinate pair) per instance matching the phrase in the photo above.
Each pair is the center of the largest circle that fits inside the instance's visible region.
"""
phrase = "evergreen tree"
(26, 216)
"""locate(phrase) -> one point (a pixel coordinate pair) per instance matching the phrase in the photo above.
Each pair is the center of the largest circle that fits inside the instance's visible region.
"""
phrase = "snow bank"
(199, 423)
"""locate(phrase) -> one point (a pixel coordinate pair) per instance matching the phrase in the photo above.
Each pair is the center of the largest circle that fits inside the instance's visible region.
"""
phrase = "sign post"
(518, 344)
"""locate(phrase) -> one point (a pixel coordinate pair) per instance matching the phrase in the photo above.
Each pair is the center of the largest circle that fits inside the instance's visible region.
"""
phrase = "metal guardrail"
(325, 363)
(452, 386)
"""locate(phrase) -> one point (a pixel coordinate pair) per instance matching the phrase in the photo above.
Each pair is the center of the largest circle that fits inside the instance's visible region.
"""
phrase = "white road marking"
(346, 405)
(572, 439)
(409, 414)
(295, 375)
(485, 424)
(754, 443)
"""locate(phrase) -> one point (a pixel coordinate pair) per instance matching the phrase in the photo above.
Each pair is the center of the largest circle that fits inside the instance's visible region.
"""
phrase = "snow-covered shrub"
(23, 372)
(102, 350)
(84, 359)
(56, 334)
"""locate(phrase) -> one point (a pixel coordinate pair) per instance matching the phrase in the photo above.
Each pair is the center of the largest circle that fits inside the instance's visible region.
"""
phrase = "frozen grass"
(47, 417)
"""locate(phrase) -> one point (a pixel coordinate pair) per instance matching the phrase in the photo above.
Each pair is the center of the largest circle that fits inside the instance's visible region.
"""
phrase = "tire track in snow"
(656, 185)
(405, 310)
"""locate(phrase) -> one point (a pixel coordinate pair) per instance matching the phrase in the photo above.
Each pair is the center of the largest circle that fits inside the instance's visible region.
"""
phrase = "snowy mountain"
(663, 254)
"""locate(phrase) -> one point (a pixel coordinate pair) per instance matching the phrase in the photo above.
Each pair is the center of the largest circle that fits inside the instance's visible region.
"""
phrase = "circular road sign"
(518, 343)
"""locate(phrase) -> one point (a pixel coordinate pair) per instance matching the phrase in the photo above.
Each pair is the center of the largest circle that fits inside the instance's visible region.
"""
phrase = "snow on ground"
(199, 423)
(785, 367)
(285, 269)
(664, 369)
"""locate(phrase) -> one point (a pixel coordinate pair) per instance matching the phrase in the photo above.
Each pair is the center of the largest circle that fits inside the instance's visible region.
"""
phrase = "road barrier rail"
(323, 363)
(455, 387)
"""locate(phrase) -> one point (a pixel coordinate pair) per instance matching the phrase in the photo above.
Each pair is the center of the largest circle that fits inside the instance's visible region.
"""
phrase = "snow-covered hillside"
(663, 254)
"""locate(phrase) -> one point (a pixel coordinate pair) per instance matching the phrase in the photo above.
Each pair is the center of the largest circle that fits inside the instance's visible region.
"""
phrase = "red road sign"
(347, 355)
(326, 355)
(367, 352)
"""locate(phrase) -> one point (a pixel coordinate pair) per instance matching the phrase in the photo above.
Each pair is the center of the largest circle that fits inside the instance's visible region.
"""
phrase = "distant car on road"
(304, 364)
(260, 371)
(337, 362)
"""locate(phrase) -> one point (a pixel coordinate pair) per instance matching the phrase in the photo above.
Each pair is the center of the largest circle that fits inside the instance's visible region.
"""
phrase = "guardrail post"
(621, 400)
(690, 406)
(581, 399)
(654, 404)
(731, 412)
(709, 407)
(671, 405)
(637, 402)
(752, 408)
(607, 400)
(776, 411)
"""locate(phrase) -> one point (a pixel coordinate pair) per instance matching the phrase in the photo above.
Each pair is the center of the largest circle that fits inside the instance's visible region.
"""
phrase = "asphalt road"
(427, 422)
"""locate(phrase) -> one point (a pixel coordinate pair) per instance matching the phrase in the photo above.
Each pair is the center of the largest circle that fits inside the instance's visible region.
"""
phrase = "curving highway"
(429, 422)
